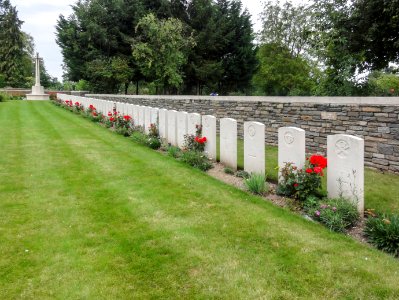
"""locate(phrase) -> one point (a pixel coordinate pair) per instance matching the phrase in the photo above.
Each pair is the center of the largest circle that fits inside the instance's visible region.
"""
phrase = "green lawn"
(381, 190)
(87, 214)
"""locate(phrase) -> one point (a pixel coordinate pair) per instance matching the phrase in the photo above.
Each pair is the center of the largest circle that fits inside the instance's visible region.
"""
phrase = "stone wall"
(376, 119)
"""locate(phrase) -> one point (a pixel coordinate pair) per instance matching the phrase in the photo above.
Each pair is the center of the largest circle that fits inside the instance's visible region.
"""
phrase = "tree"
(372, 31)
(239, 59)
(383, 84)
(331, 44)
(160, 50)
(287, 25)
(224, 56)
(15, 47)
(100, 30)
(280, 73)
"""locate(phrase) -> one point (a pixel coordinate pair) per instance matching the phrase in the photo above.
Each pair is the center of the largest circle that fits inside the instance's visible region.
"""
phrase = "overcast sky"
(40, 17)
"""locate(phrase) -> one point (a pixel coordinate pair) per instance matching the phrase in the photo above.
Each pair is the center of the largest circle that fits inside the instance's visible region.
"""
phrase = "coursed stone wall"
(376, 119)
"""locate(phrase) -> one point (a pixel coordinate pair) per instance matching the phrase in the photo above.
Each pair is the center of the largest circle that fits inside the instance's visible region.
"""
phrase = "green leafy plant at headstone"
(336, 214)
(383, 232)
(257, 184)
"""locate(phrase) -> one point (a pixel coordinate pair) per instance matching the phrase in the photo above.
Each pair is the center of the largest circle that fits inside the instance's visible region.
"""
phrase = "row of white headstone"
(345, 172)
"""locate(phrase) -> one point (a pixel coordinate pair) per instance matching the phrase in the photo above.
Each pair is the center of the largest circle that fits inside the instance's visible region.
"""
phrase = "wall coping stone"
(318, 100)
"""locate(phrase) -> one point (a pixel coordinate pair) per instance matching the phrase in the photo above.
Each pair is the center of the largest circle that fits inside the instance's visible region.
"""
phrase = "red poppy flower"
(309, 170)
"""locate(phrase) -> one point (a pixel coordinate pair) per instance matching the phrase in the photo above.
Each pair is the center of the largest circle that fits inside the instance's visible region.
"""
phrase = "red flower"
(318, 170)
(92, 107)
(112, 119)
(309, 170)
(94, 114)
(109, 114)
(204, 139)
(318, 161)
(77, 103)
(128, 118)
(197, 139)
(296, 184)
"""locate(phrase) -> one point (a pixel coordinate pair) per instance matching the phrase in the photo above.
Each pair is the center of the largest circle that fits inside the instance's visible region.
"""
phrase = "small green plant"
(153, 142)
(311, 202)
(257, 184)
(3, 97)
(174, 151)
(139, 138)
(229, 171)
(383, 232)
(243, 174)
(336, 214)
(197, 160)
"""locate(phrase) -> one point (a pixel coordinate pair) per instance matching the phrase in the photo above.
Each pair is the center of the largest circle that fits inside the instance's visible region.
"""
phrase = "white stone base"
(37, 97)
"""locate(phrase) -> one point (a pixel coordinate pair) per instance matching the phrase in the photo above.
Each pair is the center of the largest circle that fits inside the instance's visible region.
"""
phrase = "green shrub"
(149, 141)
(383, 232)
(174, 151)
(139, 137)
(123, 131)
(336, 214)
(153, 142)
(310, 203)
(3, 97)
(197, 160)
(257, 184)
(243, 174)
(228, 171)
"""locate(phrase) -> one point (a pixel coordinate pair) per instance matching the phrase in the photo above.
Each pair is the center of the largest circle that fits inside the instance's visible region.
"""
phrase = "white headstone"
(172, 124)
(131, 111)
(136, 115)
(181, 127)
(194, 120)
(254, 147)
(291, 147)
(163, 123)
(345, 171)
(228, 142)
(209, 131)
(141, 116)
(147, 119)
(154, 116)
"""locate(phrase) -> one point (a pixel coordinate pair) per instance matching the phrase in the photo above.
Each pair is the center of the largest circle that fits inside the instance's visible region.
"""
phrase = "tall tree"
(100, 30)
(160, 50)
(372, 31)
(16, 48)
(287, 25)
(281, 73)
(224, 57)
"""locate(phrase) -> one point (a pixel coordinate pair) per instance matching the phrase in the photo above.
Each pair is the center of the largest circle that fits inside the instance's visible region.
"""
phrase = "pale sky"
(40, 17)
